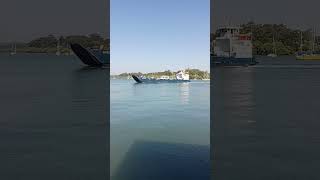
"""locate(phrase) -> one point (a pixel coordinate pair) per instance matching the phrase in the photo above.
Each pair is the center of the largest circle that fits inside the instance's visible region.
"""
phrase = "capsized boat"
(181, 77)
(91, 57)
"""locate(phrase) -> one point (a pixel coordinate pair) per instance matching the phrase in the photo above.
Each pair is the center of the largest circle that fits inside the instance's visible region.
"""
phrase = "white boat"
(272, 55)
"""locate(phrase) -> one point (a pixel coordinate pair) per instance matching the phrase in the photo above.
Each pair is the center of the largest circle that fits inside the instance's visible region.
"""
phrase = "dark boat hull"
(90, 58)
(229, 61)
(153, 81)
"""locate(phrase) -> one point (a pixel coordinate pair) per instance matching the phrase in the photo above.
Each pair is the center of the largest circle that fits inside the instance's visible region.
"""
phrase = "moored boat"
(312, 56)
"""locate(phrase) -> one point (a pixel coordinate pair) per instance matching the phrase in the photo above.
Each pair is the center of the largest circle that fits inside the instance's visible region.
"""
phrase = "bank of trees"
(287, 40)
(50, 42)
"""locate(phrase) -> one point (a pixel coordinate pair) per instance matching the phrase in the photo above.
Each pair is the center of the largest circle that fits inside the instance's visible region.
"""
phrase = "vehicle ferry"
(181, 77)
(231, 48)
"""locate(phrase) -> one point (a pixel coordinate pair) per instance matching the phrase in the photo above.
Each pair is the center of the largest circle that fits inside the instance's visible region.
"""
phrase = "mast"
(313, 39)
(13, 49)
(274, 45)
(301, 42)
(58, 47)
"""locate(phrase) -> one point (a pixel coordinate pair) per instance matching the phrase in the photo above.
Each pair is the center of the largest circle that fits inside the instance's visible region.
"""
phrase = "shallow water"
(160, 131)
(266, 120)
(53, 121)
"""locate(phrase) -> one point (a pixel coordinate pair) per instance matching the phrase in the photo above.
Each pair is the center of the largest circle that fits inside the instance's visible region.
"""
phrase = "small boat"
(272, 55)
(181, 77)
(91, 57)
(311, 56)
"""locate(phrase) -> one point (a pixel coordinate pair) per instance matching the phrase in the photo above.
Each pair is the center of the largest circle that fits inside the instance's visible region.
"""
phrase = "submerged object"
(231, 48)
(90, 57)
(181, 76)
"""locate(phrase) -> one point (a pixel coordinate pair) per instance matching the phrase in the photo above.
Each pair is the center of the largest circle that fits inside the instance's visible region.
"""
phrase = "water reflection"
(148, 160)
(159, 131)
(263, 116)
(184, 93)
(53, 124)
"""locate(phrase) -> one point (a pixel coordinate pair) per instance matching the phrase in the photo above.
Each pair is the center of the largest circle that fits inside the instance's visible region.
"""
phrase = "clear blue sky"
(157, 35)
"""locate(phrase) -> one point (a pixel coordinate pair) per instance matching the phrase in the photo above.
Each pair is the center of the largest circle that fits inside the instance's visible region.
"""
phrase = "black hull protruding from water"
(90, 58)
(154, 81)
(228, 61)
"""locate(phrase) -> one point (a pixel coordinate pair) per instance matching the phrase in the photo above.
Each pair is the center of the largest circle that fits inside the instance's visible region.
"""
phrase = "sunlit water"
(160, 131)
(266, 120)
(53, 121)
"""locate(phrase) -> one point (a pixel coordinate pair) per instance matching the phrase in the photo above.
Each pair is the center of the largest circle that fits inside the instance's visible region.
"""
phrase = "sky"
(23, 20)
(159, 35)
(298, 14)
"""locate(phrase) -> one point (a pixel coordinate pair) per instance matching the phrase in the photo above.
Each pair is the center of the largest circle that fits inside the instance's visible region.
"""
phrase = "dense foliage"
(287, 41)
(92, 41)
(49, 43)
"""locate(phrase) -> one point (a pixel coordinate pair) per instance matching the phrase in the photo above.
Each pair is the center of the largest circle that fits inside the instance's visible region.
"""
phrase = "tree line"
(49, 44)
(286, 41)
(90, 41)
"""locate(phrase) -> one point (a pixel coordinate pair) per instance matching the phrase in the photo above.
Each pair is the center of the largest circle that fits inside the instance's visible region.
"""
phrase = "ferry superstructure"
(231, 48)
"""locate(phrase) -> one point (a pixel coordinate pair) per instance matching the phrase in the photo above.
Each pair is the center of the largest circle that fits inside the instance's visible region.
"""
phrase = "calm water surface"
(53, 121)
(266, 120)
(160, 131)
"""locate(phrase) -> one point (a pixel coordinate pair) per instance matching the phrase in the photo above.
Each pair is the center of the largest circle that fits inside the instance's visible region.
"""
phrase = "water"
(53, 121)
(54, 115)
(160, 131)
(266, 120)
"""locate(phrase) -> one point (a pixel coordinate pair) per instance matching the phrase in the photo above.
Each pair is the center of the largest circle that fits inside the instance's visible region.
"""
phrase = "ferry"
(181, 76)
(91, 57)
(231, 48)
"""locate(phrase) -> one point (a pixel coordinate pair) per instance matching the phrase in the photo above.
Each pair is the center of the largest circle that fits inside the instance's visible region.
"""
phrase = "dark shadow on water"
(147, 160)
(265, 121)
(92, 68)
(54, 120)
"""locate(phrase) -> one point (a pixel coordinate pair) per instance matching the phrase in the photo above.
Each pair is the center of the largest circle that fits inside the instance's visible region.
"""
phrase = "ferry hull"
(90, 58)
(226, 61)
(153, 81)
